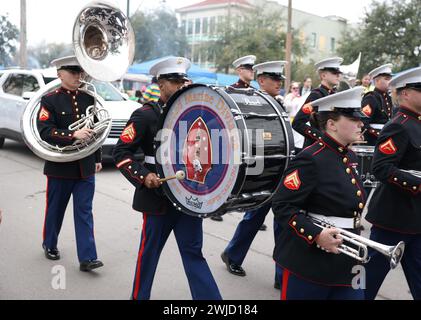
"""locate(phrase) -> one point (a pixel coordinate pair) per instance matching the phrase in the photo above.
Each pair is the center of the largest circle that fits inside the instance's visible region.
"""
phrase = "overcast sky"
(52, 20)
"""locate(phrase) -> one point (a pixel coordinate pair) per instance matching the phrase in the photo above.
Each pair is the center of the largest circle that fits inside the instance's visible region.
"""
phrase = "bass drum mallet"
(179, 175)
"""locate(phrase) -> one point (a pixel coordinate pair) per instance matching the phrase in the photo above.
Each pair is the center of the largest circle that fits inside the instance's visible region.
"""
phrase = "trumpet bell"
(103, 41)
(396, 254)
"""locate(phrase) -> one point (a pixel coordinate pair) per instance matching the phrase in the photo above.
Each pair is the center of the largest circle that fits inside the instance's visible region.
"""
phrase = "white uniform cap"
(345, 102)
(271, 68)
(407, 78)
(247, 60)
(385, 69)
(69, 63)
(171, 68)
(330, 64)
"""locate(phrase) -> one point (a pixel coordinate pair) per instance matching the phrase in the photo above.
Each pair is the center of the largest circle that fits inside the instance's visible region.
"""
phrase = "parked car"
(17, 87)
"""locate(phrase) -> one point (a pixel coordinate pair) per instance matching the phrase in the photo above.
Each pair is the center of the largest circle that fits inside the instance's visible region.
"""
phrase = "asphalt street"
(26, 274)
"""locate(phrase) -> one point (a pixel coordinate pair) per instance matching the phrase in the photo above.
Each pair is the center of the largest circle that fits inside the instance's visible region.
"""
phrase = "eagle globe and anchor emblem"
(197, 156)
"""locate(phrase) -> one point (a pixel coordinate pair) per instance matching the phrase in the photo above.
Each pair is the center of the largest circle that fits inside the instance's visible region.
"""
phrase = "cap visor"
(246, 66)
(332, 70)
(71, 68)
(356, 114)
(174, 76)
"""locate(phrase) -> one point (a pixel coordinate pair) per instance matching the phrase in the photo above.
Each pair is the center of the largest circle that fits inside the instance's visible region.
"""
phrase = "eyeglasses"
(295, 88)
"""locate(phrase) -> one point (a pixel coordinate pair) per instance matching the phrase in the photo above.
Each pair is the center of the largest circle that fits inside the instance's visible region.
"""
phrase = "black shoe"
(276, 285)
(90, 265)
(263, 227)
(217, 218)
(51, 254)
(233, 268)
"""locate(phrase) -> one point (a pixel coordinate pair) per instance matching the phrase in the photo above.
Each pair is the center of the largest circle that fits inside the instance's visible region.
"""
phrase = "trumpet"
(393, 253)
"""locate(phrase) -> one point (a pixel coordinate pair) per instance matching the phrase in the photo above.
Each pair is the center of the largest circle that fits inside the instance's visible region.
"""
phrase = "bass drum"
(232, 144)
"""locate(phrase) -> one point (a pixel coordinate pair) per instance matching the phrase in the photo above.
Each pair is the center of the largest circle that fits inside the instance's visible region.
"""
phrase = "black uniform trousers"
(188, 233)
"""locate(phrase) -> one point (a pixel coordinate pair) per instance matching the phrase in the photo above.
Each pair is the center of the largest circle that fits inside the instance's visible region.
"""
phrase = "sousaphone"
(103, 42)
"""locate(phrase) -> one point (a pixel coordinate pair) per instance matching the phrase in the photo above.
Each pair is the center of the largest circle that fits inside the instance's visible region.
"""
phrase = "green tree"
(45, 53)
(257, 32)
(389, 32)
(157, 34)
(300, 71)
(9, 33)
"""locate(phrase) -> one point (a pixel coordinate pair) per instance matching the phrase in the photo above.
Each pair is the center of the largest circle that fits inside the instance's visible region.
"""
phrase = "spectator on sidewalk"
(152, 92)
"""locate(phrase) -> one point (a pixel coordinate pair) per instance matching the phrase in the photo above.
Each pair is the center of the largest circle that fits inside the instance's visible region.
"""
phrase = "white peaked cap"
(275, 67)
(330, 63)
(384, 69)
(69, 61)
(244, 60)
(405, 78)
(171, 66)
(348, 102)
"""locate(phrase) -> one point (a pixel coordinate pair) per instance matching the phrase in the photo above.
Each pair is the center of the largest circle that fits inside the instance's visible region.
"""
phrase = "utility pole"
(128, 8)
(288, 52)
(23, 51)
(228, 30)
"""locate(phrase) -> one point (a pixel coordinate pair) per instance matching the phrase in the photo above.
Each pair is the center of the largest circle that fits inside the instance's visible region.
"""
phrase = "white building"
(321, 34)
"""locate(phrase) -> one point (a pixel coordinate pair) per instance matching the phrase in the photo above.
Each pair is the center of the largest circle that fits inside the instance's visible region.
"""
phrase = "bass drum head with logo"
(198, 137)
(233, 146)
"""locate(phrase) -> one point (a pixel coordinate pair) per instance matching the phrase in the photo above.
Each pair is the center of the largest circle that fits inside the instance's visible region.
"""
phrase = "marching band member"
(269, 76)
(244, 68)
(58, 110)
(329, 72)
(377, 105)
(322, 183)
(159, 215)
(395, 210)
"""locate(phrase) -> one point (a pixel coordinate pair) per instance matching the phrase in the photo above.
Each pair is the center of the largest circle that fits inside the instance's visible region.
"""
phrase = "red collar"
(67, 91)
(410, 113)
(328, 89)
(333, 144)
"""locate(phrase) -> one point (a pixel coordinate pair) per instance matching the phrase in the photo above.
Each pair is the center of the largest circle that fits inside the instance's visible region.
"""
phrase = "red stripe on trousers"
(139, 259)
(46, 210)
(285, 278)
